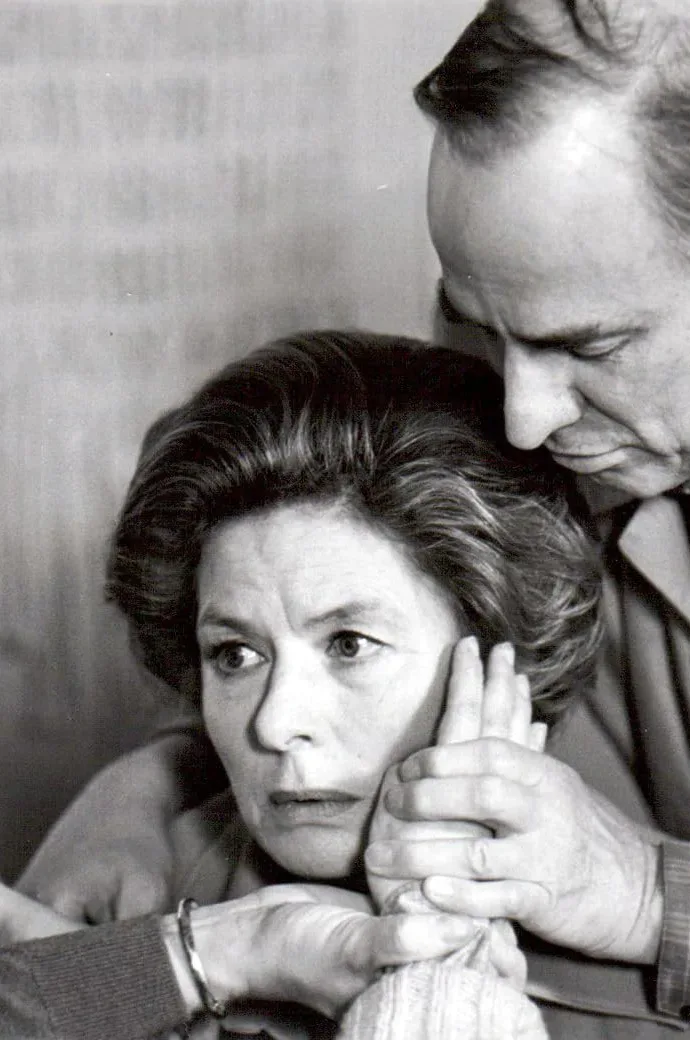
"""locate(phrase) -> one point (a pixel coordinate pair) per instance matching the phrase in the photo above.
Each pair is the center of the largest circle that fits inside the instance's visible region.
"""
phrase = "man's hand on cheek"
(499, 707)
(564, 862)
(389, 834)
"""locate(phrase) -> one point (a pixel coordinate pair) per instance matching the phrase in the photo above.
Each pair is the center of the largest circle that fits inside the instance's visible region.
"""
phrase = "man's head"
(559, 203)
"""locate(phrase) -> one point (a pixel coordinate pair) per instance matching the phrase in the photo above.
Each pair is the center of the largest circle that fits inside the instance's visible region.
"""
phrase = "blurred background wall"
(179, 181)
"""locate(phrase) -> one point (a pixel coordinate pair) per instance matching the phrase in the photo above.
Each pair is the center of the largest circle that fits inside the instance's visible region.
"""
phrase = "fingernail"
(438, 887)
(409, 770)
(523, 685)
(394, 799)
(378, 855)
(507, 652)
(471, 645)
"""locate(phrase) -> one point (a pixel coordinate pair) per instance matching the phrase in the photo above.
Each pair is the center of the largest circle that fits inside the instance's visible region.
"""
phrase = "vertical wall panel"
(179, 180)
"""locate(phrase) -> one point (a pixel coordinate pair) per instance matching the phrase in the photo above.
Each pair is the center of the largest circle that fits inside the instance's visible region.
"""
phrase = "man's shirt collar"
(654, 539)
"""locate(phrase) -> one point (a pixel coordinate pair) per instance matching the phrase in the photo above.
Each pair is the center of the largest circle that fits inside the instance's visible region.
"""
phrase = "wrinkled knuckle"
(410, 859)
(516, 902)
(403, 936)
(418, 798)
(433, 760)
(424, 758)
(479, 858)
(498, 754)
(489, 794)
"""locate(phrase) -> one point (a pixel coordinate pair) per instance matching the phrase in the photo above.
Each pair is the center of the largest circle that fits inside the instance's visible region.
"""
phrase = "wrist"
(178, 962)
(645, 936)
(222, 937)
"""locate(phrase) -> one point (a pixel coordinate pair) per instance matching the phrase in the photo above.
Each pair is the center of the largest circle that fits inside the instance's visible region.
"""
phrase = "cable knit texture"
(461, 997)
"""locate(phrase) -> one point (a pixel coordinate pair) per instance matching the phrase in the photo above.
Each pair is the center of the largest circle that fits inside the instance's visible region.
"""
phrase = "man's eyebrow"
(570, 338)
(566, 338)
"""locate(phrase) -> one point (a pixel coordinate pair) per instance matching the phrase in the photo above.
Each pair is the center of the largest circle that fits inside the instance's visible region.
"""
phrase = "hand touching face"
(497, 707)
(563, 861)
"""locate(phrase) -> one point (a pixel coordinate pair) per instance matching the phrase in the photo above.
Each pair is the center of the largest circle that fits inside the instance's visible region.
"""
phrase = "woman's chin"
(327, 858)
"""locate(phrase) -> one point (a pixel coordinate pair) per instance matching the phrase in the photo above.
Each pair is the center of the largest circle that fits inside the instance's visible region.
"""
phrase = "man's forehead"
(554, 196)
(550, 16)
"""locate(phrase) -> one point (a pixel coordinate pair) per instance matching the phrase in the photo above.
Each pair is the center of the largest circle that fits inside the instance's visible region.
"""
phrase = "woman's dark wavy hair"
(518, 60)
(410, 438)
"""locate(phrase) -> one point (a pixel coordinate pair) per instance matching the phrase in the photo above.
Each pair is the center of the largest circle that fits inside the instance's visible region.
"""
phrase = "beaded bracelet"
(214, 1007)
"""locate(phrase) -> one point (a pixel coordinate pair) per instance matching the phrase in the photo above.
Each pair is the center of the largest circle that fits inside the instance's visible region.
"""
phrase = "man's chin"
(643, 483)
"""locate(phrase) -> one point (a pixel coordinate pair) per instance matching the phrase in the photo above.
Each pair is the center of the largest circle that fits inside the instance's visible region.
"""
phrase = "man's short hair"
(518, 59)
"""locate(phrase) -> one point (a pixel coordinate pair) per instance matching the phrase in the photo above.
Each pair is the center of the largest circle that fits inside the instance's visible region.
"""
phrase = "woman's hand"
(313, 944)
(565, 863)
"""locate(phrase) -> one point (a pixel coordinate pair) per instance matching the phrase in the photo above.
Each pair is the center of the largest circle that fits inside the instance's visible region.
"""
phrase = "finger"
(538, 733)
(479, 859)
(519, 731)
(516, 900)
(506, 957)
(402, 938)
(463, 712)
(499, 692)
(69, 905)
(489, 799)
(488, 755)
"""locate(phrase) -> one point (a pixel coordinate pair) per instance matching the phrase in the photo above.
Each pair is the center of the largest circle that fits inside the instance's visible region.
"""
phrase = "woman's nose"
(539, 396)
(288, 715)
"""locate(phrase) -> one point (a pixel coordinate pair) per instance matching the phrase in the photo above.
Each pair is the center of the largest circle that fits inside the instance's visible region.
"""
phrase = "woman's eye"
(231, 658)
(349, 645)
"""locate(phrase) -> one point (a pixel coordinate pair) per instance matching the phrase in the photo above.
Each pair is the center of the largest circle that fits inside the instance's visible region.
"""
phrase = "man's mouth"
(588, 463)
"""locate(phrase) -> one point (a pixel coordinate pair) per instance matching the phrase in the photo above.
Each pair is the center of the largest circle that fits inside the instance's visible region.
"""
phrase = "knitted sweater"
(460, 997)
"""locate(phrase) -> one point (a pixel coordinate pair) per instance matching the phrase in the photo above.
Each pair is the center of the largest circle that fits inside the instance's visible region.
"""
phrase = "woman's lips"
(311, 806)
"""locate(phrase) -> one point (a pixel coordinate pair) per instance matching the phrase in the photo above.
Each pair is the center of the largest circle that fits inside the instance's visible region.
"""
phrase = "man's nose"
(539, 396)
(288, 715)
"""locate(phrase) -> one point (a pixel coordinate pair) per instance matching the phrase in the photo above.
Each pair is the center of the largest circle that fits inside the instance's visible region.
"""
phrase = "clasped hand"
(557, 856)
(314, 944)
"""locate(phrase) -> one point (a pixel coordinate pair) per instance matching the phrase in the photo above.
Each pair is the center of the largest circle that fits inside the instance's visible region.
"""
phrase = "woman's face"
(325, 654)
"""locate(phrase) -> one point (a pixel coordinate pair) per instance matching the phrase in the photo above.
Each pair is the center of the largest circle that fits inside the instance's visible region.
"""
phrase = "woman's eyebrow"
(355, 611)
(215, 617)
(346, 613)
